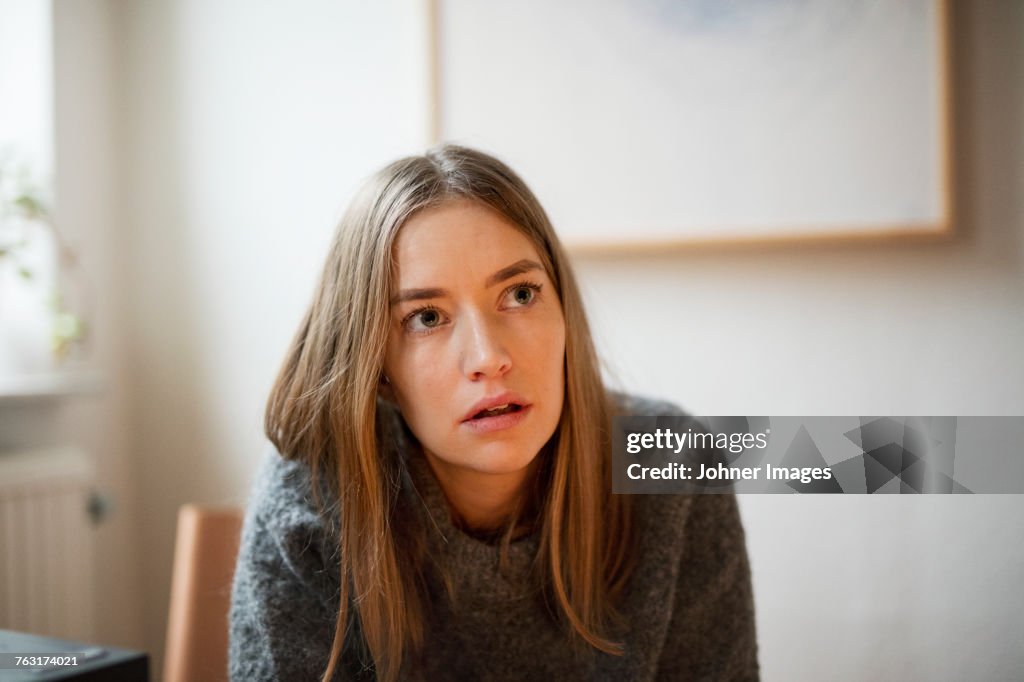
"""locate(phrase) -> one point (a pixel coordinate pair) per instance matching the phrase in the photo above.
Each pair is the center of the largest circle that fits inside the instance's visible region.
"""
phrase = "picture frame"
(650, 125)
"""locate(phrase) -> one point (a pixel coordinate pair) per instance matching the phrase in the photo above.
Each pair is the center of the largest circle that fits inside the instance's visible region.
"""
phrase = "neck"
(481, 502)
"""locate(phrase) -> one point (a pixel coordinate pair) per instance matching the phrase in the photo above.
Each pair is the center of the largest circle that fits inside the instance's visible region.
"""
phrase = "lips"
(496, 406)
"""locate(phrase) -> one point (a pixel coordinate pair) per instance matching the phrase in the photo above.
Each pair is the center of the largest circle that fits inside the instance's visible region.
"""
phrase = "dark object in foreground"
(94, 663)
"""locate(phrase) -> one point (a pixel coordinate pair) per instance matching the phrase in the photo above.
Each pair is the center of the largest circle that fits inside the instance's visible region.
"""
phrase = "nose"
(484, 351)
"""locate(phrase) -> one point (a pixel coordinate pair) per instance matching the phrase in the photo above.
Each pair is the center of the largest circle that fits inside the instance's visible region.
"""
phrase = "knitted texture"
(688, 606)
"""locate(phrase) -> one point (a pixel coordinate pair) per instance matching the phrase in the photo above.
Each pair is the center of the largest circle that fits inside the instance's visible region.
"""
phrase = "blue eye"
(522, 294)
(424, 320)
(429, 318)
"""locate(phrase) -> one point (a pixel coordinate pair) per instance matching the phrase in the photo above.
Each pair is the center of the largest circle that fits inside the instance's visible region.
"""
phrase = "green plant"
(23, 213)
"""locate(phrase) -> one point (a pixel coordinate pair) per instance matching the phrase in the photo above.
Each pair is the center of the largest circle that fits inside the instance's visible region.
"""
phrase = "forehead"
(461, 237)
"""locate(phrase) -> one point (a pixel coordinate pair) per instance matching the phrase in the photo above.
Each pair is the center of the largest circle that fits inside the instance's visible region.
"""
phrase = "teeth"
(496, 410)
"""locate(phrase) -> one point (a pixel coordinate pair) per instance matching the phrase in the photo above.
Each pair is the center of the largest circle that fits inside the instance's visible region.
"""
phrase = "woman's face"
(476, 346)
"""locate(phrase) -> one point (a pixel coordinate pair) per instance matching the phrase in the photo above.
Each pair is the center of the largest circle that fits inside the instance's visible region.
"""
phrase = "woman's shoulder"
(285, 584)
(282, 505)
(283, 485)
(662, 515)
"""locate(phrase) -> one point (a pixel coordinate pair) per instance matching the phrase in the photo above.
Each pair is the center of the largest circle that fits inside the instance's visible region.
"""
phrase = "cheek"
(545, 353)
(408, 379)
(556, 336)
(417, 378)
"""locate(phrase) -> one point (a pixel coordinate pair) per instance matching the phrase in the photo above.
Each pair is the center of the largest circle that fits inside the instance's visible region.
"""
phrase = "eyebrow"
(517, 268)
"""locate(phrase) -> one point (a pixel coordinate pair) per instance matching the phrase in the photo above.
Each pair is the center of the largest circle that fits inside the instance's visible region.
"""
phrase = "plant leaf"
(30, 206)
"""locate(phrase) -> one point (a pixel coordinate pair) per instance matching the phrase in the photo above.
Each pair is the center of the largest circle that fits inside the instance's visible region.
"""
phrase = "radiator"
(46, 543)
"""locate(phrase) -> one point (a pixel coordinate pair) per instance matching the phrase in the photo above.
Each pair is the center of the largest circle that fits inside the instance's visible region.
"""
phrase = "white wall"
(246, 126)
(240, 130)
(871, 587)
(88, 209)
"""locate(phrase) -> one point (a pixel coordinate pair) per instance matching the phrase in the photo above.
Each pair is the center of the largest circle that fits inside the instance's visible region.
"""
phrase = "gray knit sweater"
(688, 606)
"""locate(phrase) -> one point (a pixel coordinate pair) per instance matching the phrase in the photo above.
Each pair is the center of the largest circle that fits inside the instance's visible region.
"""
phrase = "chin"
(501, 458)
(506, 465)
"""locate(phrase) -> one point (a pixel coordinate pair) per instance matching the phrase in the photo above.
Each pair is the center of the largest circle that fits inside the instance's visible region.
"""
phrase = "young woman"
(438, 502)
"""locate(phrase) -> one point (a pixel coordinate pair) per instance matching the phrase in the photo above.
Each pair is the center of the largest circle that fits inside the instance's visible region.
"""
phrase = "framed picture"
(652, 123)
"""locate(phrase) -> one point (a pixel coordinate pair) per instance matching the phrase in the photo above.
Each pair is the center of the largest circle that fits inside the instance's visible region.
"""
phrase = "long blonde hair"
(323, 411)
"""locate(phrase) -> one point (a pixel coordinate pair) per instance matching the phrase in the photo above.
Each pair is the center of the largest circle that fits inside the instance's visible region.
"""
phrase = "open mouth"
(497, 411)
